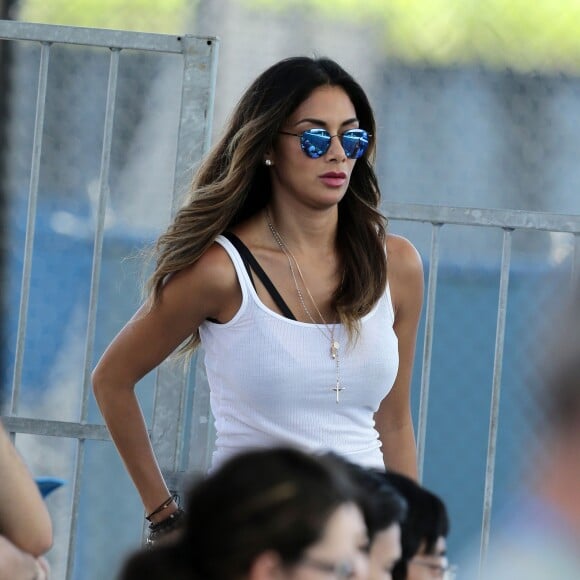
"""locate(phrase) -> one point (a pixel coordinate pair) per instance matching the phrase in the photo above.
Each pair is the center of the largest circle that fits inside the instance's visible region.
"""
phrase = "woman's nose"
(336, 150)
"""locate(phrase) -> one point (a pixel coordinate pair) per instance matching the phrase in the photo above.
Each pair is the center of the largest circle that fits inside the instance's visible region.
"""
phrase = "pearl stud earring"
(268, 162)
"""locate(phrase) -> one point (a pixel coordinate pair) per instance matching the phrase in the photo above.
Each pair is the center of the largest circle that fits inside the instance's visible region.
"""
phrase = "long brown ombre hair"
(233, 184)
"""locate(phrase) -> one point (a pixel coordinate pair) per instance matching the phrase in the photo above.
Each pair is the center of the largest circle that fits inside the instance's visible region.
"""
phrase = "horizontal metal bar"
(122, 39)
(56, 428)
(503, 218)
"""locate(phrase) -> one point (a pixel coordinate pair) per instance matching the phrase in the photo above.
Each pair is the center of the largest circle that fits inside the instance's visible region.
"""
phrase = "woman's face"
(429, 565)
(321, 182)
(384, 553)
(341, 552)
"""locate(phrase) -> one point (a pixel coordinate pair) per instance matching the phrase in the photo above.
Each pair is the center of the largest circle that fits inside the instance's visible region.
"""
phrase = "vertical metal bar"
(196, 114)
(94, 292)
(198, 89)
(30, 225)
(202, 433)
(576, 259)
(427, 347)
(495, 396)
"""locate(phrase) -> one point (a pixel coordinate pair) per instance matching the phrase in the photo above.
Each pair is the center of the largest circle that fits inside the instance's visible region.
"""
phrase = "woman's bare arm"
(24, 519)
(393, 419)
(209, 288)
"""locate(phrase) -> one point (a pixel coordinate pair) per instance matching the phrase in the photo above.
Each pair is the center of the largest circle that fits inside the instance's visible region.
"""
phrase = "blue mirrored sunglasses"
(316, 142)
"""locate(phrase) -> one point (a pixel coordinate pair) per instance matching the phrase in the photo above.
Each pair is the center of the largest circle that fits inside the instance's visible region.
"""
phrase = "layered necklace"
(329, 330)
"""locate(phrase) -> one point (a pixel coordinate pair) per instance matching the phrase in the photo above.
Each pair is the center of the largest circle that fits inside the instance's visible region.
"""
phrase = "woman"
(297, 521)
(309, 337)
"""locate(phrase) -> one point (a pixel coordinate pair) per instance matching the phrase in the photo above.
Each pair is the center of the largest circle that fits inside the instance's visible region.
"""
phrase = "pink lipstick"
(333, 178)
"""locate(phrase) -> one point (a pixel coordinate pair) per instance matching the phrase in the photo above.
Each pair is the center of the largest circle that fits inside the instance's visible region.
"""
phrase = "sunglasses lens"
(315, 143)
(355, 143)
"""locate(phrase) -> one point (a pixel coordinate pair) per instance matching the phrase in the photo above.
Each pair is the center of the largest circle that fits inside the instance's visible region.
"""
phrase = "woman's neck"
(304, 229)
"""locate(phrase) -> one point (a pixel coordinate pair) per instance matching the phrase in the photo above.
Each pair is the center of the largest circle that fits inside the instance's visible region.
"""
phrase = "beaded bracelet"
(172, 522)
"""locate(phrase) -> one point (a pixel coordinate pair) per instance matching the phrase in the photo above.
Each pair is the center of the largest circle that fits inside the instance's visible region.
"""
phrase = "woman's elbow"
(97, 381)
(36, 538)
(43, 542)
(101, 382)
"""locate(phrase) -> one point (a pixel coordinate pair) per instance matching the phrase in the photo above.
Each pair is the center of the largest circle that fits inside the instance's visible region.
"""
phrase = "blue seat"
(47, 485)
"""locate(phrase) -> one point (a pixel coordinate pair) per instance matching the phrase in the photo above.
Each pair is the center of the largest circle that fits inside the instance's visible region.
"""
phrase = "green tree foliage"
(167, 16)
(523, 34)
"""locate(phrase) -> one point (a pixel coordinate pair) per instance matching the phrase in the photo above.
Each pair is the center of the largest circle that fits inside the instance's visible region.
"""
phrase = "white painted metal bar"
(495, 395)
(501, 218)
(30, 225)
(202, 432)
(50, 428)
(427, 348)
(198, 85)
(576, 258)
(104, 190)
(121, 39)
(196, 114)
(169, 412)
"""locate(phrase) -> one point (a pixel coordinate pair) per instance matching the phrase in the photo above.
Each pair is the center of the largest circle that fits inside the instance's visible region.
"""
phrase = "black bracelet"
(164, 505)
(174, 521)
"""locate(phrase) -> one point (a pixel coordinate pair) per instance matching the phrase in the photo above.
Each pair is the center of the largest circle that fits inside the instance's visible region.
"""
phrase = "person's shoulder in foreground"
(539, 537)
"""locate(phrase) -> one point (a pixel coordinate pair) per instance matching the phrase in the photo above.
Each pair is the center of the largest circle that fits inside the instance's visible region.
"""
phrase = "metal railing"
(169, 419)
(508, 221)
(197, 95)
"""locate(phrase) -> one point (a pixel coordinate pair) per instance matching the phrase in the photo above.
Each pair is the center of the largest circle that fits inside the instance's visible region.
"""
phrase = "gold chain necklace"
(292, 261)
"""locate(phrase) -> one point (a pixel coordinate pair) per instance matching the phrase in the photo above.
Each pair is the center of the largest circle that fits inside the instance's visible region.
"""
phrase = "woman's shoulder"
(404, 272)
(212, 275)
(403, 258)
(215, 266)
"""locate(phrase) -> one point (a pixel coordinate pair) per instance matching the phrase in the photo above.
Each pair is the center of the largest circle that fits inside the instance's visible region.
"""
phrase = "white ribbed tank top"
(271, 379)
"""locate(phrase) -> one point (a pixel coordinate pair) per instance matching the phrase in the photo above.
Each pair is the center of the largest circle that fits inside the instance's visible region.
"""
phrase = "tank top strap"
(252, 265)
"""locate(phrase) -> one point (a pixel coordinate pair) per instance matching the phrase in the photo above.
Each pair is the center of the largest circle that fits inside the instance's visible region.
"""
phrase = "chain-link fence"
(451, 132)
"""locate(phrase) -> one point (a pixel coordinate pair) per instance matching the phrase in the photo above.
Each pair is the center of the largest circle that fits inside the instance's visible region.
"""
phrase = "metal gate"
(182, 438)
(509, 223)
(196, 85)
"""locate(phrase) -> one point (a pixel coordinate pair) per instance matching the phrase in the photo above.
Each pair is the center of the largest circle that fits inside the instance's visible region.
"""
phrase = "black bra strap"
(251, 263)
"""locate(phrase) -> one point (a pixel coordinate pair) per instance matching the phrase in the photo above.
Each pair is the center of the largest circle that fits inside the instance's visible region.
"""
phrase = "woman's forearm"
(400, 452)
(126, 424)
(24, 518)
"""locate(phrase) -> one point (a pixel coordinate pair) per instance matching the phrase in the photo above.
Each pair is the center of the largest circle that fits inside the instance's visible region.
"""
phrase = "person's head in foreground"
(387, 511)
(384, 509)
(265, 515)
(423, 533)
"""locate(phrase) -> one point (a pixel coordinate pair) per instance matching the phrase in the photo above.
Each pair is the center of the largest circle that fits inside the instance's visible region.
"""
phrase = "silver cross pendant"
(337, 388)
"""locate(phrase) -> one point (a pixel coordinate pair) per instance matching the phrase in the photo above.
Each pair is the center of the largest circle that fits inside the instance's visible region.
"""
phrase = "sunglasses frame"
(307, 147)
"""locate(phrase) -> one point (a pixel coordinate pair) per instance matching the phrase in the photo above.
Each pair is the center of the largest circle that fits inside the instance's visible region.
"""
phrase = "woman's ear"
(269, 154)
(267, 566)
